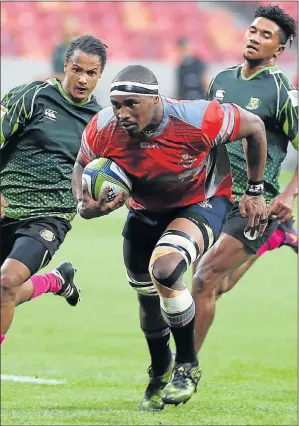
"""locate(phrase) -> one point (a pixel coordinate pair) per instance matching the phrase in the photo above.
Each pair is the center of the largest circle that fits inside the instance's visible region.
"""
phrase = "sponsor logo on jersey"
(50, 114)
(220, 94)
(3, 110)
(253, 103)
(293, 95)
(187, 161)
(205, 204)
(149, 145)
(47, 235)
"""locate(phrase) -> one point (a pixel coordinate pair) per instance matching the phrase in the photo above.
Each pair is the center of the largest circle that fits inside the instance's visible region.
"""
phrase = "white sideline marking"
(28, 379)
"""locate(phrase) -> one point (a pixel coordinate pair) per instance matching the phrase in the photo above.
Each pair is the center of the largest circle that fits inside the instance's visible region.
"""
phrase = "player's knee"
(9, 285)
(168, 269)
(145, 288)
(173, 254)
(207, 276)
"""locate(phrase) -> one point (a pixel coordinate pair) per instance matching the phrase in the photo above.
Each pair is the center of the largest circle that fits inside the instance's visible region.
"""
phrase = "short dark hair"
(136, 73)
(286, 23)
(90, 45)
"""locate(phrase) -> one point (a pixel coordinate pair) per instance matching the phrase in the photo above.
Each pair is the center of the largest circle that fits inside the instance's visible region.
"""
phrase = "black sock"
(184, 340)
(160, 354)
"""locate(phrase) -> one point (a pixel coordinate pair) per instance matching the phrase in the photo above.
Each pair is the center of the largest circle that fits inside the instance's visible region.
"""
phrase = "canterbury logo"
(49, 113)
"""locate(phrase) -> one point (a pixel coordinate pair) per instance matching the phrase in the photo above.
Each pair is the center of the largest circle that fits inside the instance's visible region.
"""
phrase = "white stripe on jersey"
(227, 125)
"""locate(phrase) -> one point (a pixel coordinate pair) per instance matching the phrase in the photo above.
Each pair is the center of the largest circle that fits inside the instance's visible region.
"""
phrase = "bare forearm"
(255, 146)
(77, 182)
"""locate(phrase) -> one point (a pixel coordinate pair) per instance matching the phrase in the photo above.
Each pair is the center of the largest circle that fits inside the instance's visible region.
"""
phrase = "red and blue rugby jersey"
(183, 162)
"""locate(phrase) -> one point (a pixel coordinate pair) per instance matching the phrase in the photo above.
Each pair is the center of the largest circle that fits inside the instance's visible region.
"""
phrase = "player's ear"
(279, 50)
(156, 99)
(64, 66)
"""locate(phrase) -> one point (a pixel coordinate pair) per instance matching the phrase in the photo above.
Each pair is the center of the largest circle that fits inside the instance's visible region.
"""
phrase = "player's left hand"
(255, 208)
(282, 206)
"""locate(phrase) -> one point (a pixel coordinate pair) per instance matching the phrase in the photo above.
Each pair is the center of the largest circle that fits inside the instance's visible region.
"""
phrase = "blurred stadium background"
(135, 32)
(250, 357)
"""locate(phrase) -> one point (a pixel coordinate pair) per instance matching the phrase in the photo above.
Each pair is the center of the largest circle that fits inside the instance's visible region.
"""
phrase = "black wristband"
(255, 188)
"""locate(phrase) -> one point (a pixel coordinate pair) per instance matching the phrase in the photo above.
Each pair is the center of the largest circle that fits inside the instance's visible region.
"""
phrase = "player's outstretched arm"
(77, 179)
(253, 204)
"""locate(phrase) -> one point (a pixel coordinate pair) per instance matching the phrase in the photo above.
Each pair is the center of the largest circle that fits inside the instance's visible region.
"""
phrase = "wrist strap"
(79, 205)
(255, 188)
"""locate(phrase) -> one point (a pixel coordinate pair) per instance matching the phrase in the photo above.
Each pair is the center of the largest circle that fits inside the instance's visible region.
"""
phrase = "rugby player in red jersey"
(174, 154)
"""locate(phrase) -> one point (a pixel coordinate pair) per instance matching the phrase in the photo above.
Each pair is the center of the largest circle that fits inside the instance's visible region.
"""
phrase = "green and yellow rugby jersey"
(269, 94)
(41, 129)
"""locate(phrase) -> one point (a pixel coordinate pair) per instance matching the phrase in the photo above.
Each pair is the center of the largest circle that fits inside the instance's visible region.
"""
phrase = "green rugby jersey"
(269, 94)
(41, 129)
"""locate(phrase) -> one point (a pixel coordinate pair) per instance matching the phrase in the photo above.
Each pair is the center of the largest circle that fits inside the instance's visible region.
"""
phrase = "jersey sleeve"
(287, 117)
(88, 141)
(210, 91)
(16, 109)
(221, 123)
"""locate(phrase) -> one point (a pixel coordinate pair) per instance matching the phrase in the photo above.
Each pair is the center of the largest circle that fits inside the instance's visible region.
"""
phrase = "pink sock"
(273, 243)
(46, 283)
(2, 338)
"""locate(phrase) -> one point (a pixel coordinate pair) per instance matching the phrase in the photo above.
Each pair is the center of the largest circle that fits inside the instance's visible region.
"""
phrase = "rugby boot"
(66, 272)
(152, 400)
(290, 235)
(183, 383)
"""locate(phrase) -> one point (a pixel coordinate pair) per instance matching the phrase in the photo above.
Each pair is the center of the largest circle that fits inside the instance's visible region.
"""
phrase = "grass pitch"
(249, 359)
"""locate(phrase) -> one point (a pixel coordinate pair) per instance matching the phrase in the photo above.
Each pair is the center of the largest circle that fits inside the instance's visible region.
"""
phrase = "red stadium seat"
(130, 29)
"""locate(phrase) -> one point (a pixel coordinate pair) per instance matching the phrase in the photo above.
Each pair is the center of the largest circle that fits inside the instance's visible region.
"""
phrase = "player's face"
(82, 72)
(262, 41)
(134, 112)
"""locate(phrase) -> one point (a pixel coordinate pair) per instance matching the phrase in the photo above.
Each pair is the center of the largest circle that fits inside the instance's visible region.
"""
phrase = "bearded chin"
(253, 62)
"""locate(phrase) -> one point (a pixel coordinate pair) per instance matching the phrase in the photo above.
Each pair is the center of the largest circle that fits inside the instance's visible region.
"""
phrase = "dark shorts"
(236, 224)
(143, 229)
(31, 241)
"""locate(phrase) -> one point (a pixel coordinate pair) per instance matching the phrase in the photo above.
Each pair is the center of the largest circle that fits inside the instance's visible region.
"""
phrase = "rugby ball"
(103, 172)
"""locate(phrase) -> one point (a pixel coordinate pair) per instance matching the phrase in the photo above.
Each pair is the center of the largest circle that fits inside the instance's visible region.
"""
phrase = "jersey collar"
(66, 97)
(164, 121)
(272, 68)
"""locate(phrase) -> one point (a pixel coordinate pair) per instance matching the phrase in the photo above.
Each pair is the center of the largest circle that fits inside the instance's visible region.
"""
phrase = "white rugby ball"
(103, 172)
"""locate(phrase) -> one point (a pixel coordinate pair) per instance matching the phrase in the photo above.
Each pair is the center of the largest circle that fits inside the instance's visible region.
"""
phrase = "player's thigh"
(232, 250)
(7, 238)
(29, 252)
(38, 240)
(202, 222)
(222, 259)
(235, 226)
(140, 237)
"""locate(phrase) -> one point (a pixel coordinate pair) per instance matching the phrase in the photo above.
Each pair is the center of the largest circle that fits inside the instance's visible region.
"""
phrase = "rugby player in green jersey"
(41, 128)
(261, 87)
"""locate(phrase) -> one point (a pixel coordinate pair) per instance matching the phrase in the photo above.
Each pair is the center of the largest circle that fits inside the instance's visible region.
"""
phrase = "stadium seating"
(132, 30)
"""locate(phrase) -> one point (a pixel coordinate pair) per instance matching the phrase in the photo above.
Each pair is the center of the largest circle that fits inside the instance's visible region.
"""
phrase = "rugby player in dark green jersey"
(41, 128)
(261, 87)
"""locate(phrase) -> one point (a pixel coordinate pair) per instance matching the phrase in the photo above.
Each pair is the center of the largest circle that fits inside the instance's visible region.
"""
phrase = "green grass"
(249, 359)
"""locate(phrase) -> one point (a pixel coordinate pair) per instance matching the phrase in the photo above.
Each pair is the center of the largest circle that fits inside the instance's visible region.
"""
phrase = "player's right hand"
(89, 208)
(255, 208)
